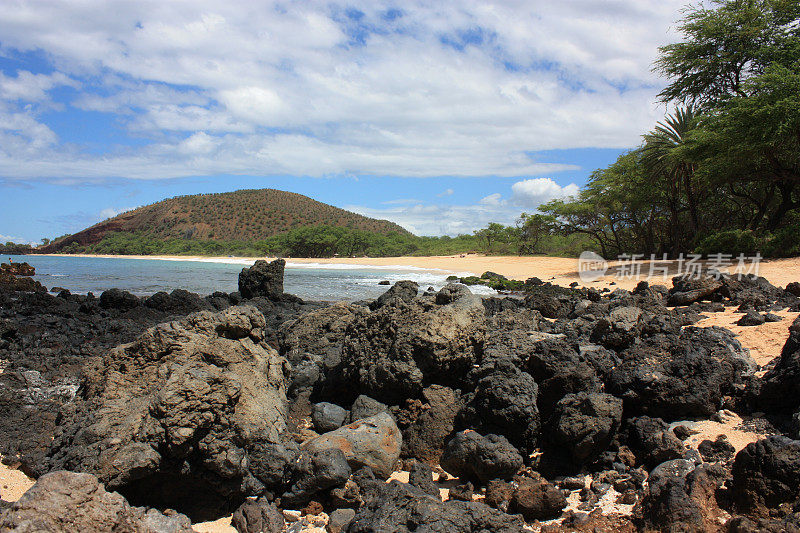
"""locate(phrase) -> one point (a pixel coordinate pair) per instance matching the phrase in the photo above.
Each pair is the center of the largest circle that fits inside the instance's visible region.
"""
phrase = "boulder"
(374, 442)
(620, 329)
(743, 524)
(688, 289)
(580, 429)
(328, 416)
(754, 292)
(178, 301)
(392, 352)
(766, 474)
(793, 288)
(751, 318)
(68, 501)
(550, 300)
(681, 376)
(471, 456)
(652, 442)
(271, 461)
(9, 282)
(537, 499)
(499, 494)
(319, 332)
(424, 437)
(559, 369)
(402, 290)
(340, 519)
(315, 472)
(780, 387)
(682, 497)
(262, 279)
(713, 451)
(420, 475)
(504, 403)
(400, 508)
(452, 292)
(258, 516)
(365, 407)
(118, 299)
(168, 418)
(18, 269)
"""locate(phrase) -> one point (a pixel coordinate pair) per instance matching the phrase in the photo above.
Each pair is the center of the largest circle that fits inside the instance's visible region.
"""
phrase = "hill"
(246, 215)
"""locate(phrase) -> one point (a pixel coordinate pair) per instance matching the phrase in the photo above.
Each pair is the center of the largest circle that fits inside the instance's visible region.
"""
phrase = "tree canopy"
(724, 166)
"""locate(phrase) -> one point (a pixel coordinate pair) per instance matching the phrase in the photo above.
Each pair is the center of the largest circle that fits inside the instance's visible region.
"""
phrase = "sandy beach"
(558, 270)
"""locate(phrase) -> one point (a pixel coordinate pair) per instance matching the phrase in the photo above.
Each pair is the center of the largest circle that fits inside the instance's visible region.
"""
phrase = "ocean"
(143, 277)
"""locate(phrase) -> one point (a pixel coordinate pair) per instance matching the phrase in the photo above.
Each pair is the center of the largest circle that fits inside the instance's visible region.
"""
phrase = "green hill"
(240, 216)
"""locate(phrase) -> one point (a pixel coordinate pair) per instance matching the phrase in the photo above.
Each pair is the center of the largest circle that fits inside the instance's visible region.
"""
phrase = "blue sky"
(439, 118)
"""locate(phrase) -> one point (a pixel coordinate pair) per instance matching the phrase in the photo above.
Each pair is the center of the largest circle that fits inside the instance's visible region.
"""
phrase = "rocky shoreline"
(565, 410)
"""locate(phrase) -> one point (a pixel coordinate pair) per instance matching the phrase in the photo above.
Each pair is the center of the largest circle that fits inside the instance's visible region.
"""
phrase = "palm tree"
(664, 157)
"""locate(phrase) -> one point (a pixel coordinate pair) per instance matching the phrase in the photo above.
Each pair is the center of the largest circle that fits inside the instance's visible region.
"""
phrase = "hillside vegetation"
(246, 215)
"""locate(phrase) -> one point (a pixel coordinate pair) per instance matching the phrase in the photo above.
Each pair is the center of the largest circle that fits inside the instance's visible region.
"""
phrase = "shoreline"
(557, 270)
(764, 343)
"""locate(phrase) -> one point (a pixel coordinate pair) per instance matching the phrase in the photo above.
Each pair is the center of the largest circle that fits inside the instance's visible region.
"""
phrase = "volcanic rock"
(390, 353)
(365, 407)
(420, 475)
(167, 418)
(262, 279)
(504, 403)
(68, 501)
(258, 516)
(780, 387)
(537, 499)
(374, 442)
(315, 472)
(328, 416)
(752, 318)
(118, 299)
(684, 376)
(399, 507)
(402, 290)
(17, 269)
(766, 474)
(471, 456)
(425, 437)
(652, 441)
(682, 497)
(580, 429)
(716, 450)
(688, 289)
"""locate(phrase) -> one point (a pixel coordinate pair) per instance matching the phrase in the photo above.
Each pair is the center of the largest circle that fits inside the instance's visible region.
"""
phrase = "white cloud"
(435, 219)
(28, 87)
(463, 89)
(493, 199)
(446, 192)
(15, 239)
(111, 212)
(533, 192)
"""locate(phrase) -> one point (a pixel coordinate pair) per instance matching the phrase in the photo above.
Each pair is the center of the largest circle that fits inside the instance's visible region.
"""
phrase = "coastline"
(764, 344)
(557, 270)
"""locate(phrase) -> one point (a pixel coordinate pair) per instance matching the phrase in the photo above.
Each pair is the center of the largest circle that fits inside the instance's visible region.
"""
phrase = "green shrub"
(731, 242)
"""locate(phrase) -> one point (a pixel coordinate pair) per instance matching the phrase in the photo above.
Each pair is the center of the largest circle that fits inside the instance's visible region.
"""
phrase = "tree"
(664, 156)
(532, 228)
(494, 233)
(726, 45)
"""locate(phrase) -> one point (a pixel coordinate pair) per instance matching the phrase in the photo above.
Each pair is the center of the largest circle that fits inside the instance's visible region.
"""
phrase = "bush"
(786, 241)
(731, 242)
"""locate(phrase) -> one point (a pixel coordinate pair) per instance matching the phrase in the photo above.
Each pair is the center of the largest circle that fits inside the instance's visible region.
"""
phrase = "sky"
(440, 116)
